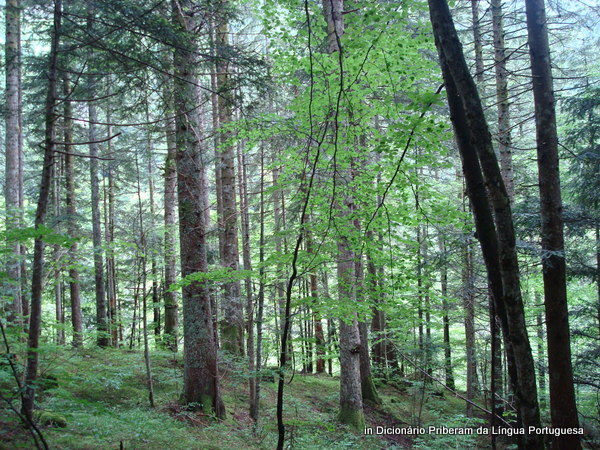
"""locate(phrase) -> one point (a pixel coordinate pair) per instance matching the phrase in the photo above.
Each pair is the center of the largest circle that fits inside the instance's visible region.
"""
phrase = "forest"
(300, 224)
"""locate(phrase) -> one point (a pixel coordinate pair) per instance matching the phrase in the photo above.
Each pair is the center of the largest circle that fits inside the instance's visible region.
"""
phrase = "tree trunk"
(247, 261)
(232, 327)
(261, 287)
(109, 233)
(477, 40)
(13, 154)
(495, 233)
(469, 307)
(57, 254)
(201, 374)
(504, 137)
(72, 228)
(101, 316)
(448, 372)
(170, 204)
(351, 401)
(142, 256)
(40, 217)
(563, 409)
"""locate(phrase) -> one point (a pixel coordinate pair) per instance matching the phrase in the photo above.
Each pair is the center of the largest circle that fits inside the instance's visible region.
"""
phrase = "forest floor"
(100, 399)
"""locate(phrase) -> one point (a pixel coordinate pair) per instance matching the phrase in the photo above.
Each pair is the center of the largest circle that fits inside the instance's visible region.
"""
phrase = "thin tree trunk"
(245, 223)
(101, 316)
(469, 307)
(57, 255)
(504, 137)
(72, 228)
(563, 408)
(13, 155)
(28, 398)
(261, 287)
(448, 372)
(540, 360)
(143, 252)
(109, 231)
(170, 204)
(477, 40)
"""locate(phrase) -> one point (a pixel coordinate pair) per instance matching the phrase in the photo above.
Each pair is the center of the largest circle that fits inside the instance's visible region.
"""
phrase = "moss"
(353, 417)
(369, 391)
(51, 419)
(230, 339)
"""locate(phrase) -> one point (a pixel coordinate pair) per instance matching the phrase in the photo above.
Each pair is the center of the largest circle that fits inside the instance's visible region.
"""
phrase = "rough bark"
(232, 326)
(563, 409)
(50, 117)
(201, 375)
(351, 401)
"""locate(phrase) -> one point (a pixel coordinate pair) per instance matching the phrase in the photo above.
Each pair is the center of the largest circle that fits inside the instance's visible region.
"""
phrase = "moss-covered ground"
(97, 399)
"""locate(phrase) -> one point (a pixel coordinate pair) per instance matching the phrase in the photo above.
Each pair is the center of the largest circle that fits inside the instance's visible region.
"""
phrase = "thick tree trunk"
(40, 217)
(496, 233)
(351, 401)
(72, 228)
(12, 194)
(563, 409)
(201, 374)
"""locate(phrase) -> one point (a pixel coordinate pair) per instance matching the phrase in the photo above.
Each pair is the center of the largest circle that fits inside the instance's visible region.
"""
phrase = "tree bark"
(40, 217)
(563, 408)
(72, 228)
(495, 233)
(232, 327)
(13, 154)
(171, 321)
(201, 374)
(101, 316)
(504, 136)
(448, 372)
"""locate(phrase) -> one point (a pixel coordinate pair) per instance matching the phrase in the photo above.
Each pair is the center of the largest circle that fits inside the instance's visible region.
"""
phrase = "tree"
(201, 373)
(563, 408)
(232, 329)
(13, 157)
(50, 116)
(495, 233)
